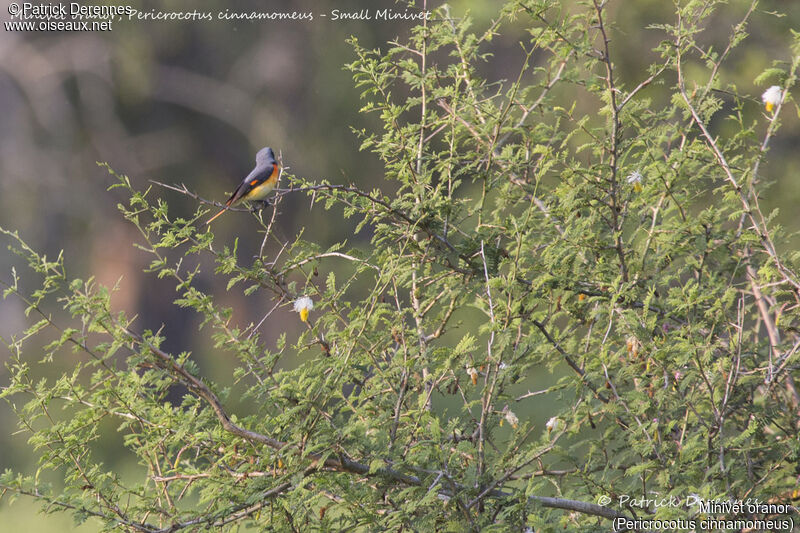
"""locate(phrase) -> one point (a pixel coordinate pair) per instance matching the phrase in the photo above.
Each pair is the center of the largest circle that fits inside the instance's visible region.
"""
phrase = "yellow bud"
(303, 305)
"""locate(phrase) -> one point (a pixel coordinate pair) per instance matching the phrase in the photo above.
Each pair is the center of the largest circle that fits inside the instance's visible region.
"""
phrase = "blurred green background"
(191, 102)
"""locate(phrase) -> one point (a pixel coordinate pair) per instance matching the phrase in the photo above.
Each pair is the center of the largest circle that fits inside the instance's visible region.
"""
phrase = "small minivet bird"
(258, 184)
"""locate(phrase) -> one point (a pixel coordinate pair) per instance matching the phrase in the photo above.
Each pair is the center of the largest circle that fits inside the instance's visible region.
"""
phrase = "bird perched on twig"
(258, 184)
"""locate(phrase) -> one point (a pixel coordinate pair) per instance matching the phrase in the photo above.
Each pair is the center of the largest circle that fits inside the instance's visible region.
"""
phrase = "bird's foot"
(258, 205)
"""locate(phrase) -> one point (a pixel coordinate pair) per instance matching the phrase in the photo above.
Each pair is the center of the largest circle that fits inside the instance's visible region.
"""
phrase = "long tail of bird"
(227, 205)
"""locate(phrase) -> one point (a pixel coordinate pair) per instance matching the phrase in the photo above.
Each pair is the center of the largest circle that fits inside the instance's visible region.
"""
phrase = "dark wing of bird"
(259, 175)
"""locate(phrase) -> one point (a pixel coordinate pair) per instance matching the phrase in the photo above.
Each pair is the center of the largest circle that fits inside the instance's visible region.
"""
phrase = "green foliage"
(624, 251)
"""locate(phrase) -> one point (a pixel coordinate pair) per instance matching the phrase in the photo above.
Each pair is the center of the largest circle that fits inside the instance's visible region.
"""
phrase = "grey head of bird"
(265, 156)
